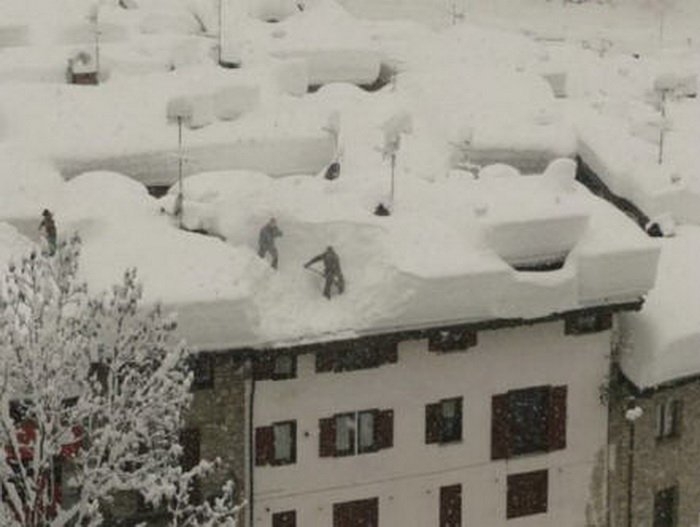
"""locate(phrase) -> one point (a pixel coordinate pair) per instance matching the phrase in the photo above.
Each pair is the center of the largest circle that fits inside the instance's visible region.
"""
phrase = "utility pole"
(632, 413)
(662, 127)
(179, 203)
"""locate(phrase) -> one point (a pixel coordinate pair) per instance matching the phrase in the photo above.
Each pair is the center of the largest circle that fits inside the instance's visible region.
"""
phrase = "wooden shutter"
(433, 423)
(190, 442)
(326, 437)
(384, 429)
(451, 506)
(500, 427)
(264, 445)
(557, 418)
(325, 361)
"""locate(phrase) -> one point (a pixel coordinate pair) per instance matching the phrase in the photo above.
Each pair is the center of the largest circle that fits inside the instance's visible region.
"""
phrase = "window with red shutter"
(433, 423)
(451, 506)
(446, 340)
(527, 494)
(326, 437)
(557, 418)
(264, 445)
(358, 513)
(443, 421)
(284, 519)
(500, 427)
(384, 429)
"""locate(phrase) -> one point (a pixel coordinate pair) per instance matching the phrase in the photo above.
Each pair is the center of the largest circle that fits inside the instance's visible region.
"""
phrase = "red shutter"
(264, 445)
(326, 437)
(325, 360)
(500, 427)
(451, 506)
(384, 429)
(433, 423)
(557, 418)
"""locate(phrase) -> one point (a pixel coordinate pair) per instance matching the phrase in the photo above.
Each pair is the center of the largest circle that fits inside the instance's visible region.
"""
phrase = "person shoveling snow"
(48, 229)
(266, 241)
(331, 271)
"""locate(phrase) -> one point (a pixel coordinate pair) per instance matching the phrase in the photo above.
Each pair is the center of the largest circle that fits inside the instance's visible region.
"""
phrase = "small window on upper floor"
(354, 433)
(273, 365)
(276, 444)
(359, 355)
(668, 419)
(284, 519)
(587, 322)
(445, 340)
(443, 421)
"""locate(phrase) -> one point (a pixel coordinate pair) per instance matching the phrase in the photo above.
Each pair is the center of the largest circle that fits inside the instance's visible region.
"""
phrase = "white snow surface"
(663, 339)
(475, 94)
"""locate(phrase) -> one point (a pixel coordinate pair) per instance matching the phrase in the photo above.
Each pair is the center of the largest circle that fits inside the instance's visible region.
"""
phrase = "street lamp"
(632, 413)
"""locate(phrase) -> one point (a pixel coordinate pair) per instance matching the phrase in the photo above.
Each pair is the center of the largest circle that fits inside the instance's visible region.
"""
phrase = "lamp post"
(632, 413)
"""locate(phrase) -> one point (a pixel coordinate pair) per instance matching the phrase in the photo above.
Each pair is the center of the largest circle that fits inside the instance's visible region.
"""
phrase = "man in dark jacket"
(266, 241)
(48, 228)
(331, 271)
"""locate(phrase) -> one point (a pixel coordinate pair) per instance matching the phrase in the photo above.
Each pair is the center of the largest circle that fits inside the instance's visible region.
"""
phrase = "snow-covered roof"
(663, 340)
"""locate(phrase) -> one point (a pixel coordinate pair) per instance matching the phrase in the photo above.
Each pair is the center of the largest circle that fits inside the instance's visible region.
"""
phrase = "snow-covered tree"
(92, 394)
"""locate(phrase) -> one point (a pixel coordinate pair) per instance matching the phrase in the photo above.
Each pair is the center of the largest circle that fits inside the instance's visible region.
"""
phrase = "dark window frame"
(527, 494)
(505, 425)
(358, 355)
(667, 411)
(265, 366)
(451, 505)
(346, 514)
(436, 428)
(265, 450)
(382, 433)
(451, 340)
(587, 322)
(662, 498)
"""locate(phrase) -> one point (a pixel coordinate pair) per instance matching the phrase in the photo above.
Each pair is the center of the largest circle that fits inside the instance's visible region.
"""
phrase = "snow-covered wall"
(407, 477)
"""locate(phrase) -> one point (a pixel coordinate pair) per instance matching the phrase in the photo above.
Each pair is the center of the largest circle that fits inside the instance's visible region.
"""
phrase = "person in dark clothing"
(48, 227)
(266, 241)
(331, 270)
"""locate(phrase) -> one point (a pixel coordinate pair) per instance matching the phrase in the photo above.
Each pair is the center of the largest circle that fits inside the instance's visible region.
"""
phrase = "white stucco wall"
(407, 477)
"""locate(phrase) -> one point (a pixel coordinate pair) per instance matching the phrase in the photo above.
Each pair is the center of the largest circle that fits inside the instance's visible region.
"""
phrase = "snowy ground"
(467, 96)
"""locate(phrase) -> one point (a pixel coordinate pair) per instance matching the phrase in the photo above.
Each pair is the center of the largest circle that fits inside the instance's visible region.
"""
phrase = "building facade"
(659, 450)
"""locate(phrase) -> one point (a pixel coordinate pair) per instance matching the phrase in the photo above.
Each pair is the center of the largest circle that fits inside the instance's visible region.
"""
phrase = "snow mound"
(663, 339)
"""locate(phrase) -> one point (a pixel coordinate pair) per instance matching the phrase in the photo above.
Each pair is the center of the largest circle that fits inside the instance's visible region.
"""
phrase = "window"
(202, 366)
(359, 355)
(443, 421)
(354, 433)
(528, 421)
(274, 366)
(359, 513)
(527, 494)
(666, 507)
(668, 417)
(276, 444)
(445, 340)
(587, 322)
(451, 506)
(284, 519)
